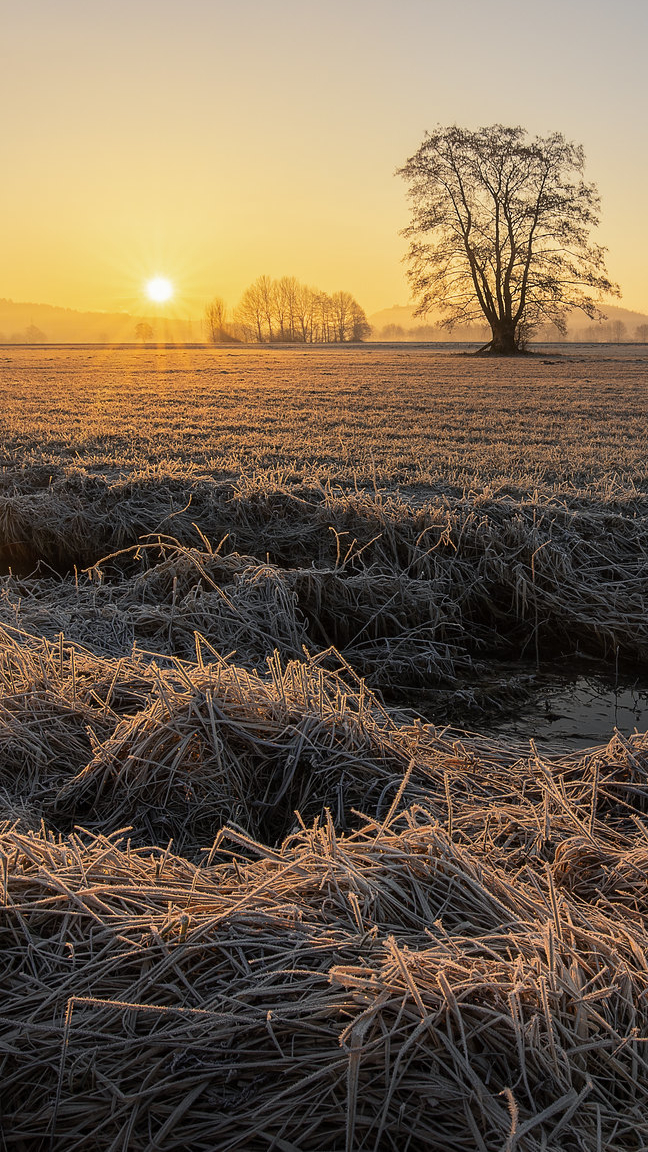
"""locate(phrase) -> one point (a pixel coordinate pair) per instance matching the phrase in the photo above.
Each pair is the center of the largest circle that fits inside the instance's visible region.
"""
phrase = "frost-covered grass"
(245, 903)
(406, 416)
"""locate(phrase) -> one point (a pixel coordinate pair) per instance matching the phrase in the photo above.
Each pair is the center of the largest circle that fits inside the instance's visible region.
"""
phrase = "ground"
(250, 901)
(563, 423)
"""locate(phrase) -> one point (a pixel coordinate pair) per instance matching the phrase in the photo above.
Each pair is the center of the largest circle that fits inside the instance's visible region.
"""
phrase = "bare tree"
(216, 320)
(305, 298)
(500, 229)
(360, 328)
(286, 311)
(324, 325)
(286, 294)
(143, 332)
(249, 313)
(341, 303)
(641, 333)
(348, 320)
(267, 298)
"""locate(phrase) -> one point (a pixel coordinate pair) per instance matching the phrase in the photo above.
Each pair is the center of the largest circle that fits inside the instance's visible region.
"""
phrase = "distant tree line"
(286, 311)
(610, 332)
(475, 333)
(605, 332)
(30, 335)
(614, 332)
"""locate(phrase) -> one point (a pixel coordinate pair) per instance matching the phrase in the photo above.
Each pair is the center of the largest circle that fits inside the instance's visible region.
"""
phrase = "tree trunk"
(503, 341)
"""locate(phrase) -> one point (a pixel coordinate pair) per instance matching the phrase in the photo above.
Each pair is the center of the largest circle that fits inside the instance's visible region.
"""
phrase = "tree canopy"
(143, 331)
(500, 229)
(287, 311)
(217, 323)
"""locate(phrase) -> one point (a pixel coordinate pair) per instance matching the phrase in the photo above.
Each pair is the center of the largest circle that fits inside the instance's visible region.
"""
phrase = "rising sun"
(159, 289)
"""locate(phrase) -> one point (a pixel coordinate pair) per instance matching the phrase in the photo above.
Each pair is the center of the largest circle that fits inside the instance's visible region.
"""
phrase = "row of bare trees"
(286, 311)
(30, 335)
(614, 332)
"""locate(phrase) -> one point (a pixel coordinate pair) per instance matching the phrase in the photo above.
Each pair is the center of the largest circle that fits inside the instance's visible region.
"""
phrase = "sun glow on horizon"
(159, 289)
(140, 197)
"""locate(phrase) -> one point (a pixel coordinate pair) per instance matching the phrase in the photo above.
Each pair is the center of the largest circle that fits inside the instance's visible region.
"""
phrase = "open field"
(406, 416)
(249, 900)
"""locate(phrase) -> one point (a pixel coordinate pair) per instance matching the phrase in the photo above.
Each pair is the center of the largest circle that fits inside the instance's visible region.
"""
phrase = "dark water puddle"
(563, 706)
(572, 712)
(578, 713)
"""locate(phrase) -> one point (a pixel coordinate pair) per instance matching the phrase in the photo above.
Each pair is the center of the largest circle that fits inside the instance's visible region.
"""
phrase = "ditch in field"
(566, 703)
(492, 614)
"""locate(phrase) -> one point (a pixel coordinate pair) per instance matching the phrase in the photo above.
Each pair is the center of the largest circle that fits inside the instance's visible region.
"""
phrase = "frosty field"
(405, 416)
(269, 879)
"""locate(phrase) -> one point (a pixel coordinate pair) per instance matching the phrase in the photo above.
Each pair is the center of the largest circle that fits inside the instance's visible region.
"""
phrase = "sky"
(210, 142)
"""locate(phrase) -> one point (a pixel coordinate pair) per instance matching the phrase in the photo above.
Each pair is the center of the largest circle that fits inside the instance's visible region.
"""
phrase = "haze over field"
(620, 325)
(220, 142)
(28, 323)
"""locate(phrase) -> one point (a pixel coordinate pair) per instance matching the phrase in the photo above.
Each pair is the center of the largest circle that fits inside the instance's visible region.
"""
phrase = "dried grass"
(384, 989)
(412, 595)
(464, 968)
(247, 906)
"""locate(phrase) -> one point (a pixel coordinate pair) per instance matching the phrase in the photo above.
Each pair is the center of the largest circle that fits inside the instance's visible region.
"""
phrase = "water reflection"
(577, 713)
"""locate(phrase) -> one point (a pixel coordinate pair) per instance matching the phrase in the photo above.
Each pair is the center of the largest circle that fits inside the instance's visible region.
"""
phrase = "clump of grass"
(462, 966)
(386, 986)
(412, 595)
(51, 711)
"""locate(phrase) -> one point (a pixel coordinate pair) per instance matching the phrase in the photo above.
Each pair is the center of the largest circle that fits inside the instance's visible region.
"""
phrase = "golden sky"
(210, 142)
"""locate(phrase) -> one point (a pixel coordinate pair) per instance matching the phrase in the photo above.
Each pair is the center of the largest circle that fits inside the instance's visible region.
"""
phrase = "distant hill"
(400, 323)
(46, 323)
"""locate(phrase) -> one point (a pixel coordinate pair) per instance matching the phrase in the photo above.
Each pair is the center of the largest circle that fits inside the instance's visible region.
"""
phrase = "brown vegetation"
(407, 419)
(461, 968)
(245, 904)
